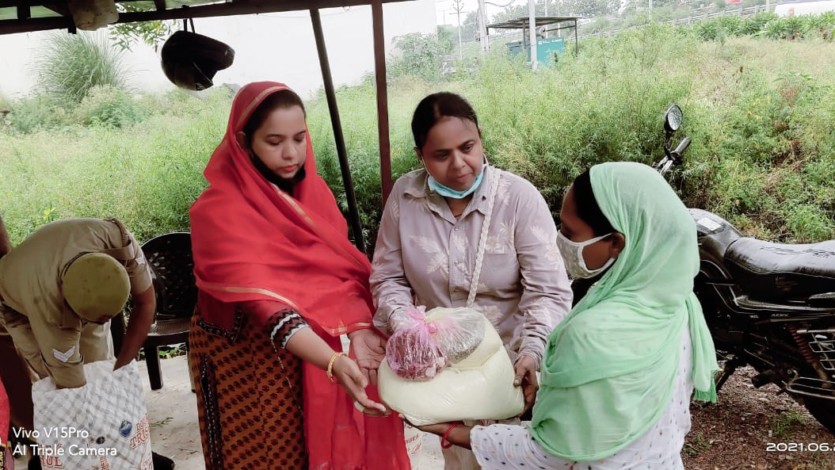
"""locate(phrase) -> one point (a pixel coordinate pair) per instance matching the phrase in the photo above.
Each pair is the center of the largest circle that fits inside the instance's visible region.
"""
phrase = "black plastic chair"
(170, 260)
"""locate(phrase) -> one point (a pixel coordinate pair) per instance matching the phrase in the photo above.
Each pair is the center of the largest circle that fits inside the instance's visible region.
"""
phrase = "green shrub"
(181, 103)
(756, 24)
(726, 26)
(108, 106)
(796, 26)
(768, 25)
(731, 25)
(38, 112)
(708, 30)
(822, 24)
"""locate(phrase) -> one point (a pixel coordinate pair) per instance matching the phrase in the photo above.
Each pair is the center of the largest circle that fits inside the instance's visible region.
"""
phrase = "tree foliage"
(152, 33)
(582, 8)
(587, 8)
(469, 27)
(421, 55)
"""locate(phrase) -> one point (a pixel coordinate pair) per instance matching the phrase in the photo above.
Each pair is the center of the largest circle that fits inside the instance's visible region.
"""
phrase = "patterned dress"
(249, 387)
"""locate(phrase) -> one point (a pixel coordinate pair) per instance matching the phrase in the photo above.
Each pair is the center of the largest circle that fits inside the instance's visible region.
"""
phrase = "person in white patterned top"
(426, 246)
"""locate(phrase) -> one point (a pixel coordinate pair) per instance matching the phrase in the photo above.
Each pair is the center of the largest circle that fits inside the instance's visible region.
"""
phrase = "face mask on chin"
(572, 255)
(446, 191)
(286, 185)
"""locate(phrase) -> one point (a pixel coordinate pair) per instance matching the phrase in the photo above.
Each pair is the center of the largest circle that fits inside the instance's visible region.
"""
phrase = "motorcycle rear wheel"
(823, 410)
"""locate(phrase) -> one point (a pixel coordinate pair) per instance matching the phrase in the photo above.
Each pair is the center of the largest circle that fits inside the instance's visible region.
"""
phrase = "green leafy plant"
(696, 445)
(152, 33)
(756, 24)
(787, 421)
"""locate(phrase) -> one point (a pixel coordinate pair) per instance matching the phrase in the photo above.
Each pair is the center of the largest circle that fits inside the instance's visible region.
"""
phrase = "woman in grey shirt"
(429, 234)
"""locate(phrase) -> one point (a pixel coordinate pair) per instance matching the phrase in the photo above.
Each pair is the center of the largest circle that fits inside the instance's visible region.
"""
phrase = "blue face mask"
(446, 191)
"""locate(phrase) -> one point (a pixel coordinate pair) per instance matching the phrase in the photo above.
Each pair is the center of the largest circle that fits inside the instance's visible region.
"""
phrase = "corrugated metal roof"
(523, 22)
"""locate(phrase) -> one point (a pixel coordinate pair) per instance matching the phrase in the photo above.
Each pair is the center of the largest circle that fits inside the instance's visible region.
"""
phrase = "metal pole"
(576, 42)
(532, 28)
(353, 213)
(460, 52)
(382, 98)
(482, 28)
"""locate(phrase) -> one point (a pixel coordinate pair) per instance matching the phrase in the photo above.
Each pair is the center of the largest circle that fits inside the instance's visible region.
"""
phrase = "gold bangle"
(334, 357)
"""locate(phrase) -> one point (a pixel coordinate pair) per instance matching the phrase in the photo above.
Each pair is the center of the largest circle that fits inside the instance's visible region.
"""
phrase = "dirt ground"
(736, 432)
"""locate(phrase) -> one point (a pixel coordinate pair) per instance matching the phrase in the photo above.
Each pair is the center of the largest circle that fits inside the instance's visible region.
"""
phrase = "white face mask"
(572, 254)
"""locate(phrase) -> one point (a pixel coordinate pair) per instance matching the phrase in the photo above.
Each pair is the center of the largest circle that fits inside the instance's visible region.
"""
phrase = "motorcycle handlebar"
(682, 146)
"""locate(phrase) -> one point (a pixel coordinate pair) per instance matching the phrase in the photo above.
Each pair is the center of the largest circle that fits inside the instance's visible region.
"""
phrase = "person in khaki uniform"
(59, 289)
(55, 338)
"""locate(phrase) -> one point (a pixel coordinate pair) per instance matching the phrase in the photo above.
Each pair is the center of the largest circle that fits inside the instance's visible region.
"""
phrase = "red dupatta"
(252, 241)
(5, 415)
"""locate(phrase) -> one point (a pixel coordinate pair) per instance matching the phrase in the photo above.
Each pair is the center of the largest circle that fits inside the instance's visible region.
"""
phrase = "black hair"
(436, 106)
(587, 208)
(279, 100)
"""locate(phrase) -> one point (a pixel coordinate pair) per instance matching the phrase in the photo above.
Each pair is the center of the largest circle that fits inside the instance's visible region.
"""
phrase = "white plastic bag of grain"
(479, 386)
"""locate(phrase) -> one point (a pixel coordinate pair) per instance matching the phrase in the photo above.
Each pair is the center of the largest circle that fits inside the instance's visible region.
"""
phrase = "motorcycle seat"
(771, 271)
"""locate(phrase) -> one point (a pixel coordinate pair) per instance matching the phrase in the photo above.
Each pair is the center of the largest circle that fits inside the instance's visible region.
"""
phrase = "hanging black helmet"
(191, 60)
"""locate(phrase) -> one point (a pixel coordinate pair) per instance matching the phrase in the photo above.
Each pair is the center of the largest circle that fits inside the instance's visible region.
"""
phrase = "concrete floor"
(172, 412)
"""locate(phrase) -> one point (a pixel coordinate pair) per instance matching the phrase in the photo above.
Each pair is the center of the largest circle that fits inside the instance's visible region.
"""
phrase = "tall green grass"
(72, 64)
(147, 174)
(761, 114)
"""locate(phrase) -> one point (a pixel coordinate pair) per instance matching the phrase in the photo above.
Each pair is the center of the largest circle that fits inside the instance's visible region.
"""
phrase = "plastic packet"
(425, 345)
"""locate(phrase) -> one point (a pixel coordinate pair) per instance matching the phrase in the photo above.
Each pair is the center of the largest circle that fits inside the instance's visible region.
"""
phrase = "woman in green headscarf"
(619, 371)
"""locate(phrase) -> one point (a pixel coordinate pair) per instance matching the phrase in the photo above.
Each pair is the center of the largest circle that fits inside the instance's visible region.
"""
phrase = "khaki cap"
(96, 286)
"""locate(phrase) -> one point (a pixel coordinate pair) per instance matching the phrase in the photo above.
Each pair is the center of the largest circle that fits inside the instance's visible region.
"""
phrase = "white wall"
(805, 8)
(275, 46)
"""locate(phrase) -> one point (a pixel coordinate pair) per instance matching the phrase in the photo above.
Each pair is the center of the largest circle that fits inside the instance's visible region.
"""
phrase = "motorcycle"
(767, 305)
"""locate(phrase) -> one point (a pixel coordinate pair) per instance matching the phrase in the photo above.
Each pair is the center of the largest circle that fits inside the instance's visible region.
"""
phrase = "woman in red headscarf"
(279, 282)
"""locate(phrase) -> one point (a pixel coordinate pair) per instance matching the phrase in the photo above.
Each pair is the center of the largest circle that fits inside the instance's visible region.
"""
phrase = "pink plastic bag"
(412, 351)
(426, 345)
